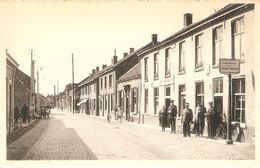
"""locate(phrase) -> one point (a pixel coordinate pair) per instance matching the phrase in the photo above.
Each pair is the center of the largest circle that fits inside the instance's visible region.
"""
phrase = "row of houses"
(183, 67)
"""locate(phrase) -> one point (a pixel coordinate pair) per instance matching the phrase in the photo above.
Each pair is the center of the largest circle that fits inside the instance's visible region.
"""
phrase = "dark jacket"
(187, 115)
(172, 112)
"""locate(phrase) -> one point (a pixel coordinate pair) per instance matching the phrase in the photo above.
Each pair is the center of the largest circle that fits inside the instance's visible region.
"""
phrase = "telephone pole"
(72, 84)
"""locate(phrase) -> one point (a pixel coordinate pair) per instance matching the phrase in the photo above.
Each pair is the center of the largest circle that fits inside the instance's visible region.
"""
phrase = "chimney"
(97, 69)
(187, 19)
(125, 54)
(104, 66)
(131, 50)
(154, 38)
(114, 59)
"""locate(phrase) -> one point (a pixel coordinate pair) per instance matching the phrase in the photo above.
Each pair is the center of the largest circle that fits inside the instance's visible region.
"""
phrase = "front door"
(218, 104)
(182, 99)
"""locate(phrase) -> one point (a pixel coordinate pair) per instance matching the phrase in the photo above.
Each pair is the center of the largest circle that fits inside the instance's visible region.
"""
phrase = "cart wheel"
(234, 135)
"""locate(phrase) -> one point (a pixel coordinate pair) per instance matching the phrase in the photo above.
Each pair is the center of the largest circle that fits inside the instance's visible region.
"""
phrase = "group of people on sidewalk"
(167, 118)
(23, 114)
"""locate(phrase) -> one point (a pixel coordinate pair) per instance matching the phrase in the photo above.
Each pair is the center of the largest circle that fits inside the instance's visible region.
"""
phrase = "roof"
(111, 67)
(11, 59)
(197, 26)
(133, 73)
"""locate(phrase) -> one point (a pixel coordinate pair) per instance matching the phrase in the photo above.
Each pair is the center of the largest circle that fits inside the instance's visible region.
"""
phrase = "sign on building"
(229, 66)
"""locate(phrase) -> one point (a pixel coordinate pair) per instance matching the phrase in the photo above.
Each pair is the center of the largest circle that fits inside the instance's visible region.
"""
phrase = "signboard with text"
(229, 66)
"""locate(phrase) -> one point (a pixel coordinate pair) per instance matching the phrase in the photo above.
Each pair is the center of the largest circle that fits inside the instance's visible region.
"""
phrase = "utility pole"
(38, 96)
(72, 84)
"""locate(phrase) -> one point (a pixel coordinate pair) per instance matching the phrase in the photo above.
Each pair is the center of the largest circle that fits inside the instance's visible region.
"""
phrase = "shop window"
(217, 45)
(238, 112)
(156, 100)
(134, 99)
(200, 93)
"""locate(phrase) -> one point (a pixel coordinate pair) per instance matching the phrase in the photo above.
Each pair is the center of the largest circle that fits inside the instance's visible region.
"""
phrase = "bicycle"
(221, 132)
(237, 134)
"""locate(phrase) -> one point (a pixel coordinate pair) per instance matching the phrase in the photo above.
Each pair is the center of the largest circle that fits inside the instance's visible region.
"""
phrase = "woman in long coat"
(163, 117)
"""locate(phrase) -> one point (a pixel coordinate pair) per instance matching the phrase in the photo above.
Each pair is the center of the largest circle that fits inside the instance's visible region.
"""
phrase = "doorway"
(218, 104)
(182, 99)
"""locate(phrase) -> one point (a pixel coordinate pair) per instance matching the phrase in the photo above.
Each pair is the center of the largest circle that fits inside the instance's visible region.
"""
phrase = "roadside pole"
(229, 67)
(72, 84)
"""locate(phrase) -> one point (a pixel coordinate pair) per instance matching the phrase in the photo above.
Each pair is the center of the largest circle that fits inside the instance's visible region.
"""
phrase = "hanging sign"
(229, 66)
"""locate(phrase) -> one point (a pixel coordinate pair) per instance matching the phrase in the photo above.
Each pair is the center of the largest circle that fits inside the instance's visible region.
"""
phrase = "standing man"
(186, 120)
(25, 112)
(210, 115)
(172, 113)
(201, 120)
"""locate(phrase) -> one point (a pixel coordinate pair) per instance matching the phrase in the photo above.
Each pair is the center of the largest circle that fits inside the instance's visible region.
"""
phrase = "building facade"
(11, 68)
(185, 67)
(128, 93)
(21, 89)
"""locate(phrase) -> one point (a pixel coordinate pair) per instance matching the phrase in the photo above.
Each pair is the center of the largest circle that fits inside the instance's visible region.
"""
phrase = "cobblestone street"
(82, 137)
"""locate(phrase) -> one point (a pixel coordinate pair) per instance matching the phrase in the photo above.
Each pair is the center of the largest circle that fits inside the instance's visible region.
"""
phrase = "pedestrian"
(163, 117)
(108, 117)
(120, 113)
(201, 120)
(210, 116)
(25, 113)
(115, 112)
(187, 117)
(16, 114)
(195, 118)
(172, 113)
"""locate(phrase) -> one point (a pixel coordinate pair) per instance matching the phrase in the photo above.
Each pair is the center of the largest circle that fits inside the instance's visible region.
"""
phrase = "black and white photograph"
(129, 80)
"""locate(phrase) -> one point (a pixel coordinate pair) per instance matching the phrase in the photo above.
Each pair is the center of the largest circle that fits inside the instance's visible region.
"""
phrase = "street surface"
(80, 137)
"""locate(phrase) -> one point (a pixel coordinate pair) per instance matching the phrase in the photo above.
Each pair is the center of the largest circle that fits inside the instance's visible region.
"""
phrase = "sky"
(91, 30)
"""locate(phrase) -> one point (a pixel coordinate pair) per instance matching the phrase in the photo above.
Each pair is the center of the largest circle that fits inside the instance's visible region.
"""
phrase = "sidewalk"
(178, 129)
(21, 131)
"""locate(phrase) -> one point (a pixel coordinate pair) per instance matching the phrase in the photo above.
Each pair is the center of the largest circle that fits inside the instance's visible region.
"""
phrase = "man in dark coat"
(163, 117)
(201, 120)
(187, 116)
(16, 114)
(210, 117)
(25, 113)
(172, 113)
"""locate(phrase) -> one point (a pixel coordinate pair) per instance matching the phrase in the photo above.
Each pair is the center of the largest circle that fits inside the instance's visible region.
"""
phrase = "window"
(182, 57)
(146, 69)
(146, 101)
(198, 51)
(238, 39)
(105, 82)
(218, 85)
(156, 100)
(200, 92)
(134, 99)
(168, 91)
(101, 103)
(110, 80)
(167, 62)
(217, 45)
(238, 87)
(111, 102)
(105, 101)
(101, 83)
(156, 65)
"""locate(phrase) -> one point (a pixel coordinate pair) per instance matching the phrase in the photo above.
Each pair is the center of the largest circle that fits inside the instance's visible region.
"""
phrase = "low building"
(128, 92)
(11, 69)
(21, 89)
(185, 67)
